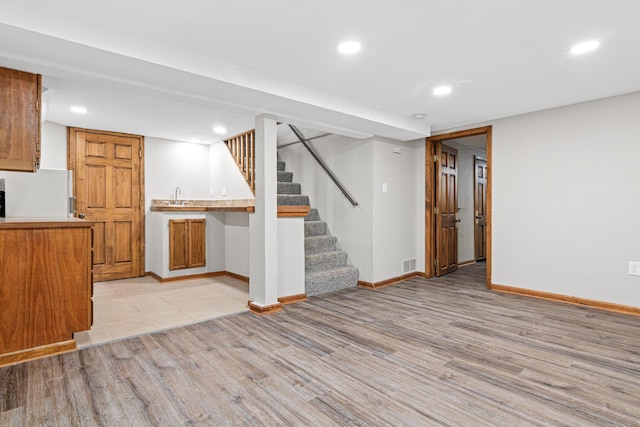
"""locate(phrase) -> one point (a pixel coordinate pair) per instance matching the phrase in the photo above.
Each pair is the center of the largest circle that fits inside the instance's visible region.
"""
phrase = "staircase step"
(318, 244)
(288, 188)
(285, 176)
(315, 228)
(331, 280)
(325, 261)
(280, 166)
(312, 215)
(293, 200)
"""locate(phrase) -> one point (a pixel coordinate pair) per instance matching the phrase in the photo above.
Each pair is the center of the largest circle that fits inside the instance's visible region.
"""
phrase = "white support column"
(263, 223)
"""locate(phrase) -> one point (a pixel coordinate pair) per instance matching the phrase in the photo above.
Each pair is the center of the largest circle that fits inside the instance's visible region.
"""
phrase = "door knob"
(81, 215)
(458, 220)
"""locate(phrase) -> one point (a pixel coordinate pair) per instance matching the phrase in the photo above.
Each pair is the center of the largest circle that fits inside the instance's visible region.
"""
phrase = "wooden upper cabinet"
(19, 120)
(187, 243)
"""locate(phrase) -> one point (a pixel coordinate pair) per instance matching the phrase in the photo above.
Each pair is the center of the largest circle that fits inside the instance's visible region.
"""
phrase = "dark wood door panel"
(480, 211)
(446, 232)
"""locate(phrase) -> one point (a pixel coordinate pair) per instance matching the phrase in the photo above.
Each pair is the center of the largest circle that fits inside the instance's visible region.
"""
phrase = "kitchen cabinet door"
(19, 120)
(187, 243)
(197, 243)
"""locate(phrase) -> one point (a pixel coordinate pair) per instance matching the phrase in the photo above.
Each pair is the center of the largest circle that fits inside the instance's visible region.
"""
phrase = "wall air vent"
(408, 265)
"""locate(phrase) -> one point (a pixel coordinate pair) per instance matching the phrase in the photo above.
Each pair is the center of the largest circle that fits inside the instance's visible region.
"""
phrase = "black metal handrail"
(323, 165)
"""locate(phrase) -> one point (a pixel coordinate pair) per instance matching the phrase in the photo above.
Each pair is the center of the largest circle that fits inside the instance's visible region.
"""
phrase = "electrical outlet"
(634, 268)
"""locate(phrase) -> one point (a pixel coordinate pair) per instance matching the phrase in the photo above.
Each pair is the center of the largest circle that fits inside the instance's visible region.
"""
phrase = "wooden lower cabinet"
(187, 243)
(45, 287)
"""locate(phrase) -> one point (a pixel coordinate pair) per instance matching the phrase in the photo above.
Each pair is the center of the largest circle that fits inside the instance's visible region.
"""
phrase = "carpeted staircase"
(327, 268)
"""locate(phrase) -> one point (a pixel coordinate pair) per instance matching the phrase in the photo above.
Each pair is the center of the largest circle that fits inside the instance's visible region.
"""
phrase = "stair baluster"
(242, 149)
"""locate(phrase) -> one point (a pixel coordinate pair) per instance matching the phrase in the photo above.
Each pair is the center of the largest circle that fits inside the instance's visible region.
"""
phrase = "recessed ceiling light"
(220, 130)
(349, 47)
(78, 110)
(585, 47)
(442, 90)
(419, 116)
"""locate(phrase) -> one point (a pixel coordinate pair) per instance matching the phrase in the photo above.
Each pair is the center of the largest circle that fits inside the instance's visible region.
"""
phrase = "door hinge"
(435, 158)
(140, 153)
(435, 262)
(436, 210)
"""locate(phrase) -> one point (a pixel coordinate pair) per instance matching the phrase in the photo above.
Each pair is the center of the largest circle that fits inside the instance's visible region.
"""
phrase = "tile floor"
(130, 307)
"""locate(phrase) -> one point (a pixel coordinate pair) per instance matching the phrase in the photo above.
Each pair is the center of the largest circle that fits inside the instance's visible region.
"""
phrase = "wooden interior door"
(108, 185)
(446, 202)
(480, 206)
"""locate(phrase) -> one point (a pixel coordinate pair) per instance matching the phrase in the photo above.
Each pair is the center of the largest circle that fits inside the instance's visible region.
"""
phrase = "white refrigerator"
(44, 194)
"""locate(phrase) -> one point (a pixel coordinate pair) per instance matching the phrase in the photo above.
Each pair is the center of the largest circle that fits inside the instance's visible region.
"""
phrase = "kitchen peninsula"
(45, 286)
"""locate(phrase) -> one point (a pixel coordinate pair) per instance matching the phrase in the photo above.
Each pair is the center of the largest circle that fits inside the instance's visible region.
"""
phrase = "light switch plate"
(634, 268)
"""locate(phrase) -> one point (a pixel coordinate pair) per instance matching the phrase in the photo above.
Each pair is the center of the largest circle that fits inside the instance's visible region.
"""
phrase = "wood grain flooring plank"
(12, 417)
(548, 398)
(14, 387)
(221, 389)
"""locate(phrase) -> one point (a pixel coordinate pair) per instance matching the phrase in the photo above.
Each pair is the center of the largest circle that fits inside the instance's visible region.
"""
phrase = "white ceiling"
(173, 69)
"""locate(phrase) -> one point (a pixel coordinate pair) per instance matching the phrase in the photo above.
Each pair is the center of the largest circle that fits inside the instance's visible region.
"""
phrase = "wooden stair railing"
(242, 148)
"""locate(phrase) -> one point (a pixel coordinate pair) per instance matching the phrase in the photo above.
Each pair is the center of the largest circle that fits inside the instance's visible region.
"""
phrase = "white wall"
(53, 146)
(169, 164)
(237, 243)
(394, 219)
(291, 270)
(216, 241)
(566, 200)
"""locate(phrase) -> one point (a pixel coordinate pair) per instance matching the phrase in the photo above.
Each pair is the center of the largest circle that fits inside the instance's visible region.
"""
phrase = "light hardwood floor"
(422, 352)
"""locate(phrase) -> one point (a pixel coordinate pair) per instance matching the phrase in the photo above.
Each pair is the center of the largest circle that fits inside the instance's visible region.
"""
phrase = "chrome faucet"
(178, 191)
